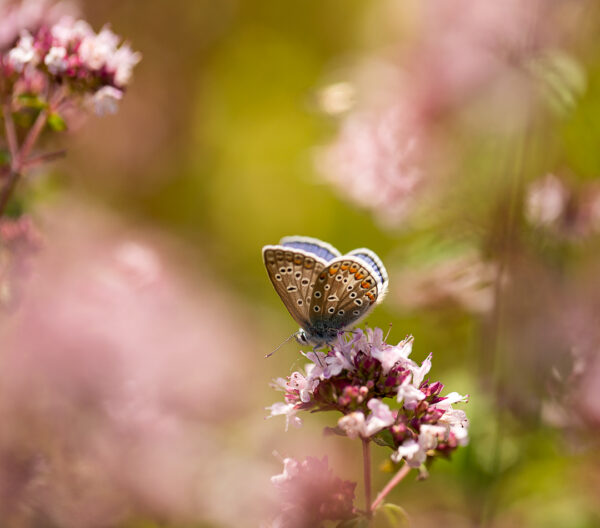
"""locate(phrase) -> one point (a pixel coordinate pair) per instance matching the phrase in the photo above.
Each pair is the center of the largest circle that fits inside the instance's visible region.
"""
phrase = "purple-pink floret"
(358, 374)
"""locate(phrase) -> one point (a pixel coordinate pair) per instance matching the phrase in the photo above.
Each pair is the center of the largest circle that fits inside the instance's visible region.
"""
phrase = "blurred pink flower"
(376, 160)
(310, 494)
(19, 241)
(563, 209)
(467, 63)
(17, 15)
(463, 46)
(114, 376)
(465, 280)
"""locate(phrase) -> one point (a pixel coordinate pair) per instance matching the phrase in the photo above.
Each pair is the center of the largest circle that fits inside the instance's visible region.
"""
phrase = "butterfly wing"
(293, 273)
(317, 247)
(344, 292)
(375, 264)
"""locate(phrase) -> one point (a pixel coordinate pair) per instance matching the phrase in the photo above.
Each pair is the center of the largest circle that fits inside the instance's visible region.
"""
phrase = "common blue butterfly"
(324, 291)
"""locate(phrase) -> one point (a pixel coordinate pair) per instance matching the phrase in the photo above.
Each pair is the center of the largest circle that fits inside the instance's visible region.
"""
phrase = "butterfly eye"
(352, 295)
(316, 308)
(304, 282)
(358, 302)
(281, 270)
(356, 312)
(317, 295)
(331, 310)
(300, 302)
(278, 277)
(298, 274)
(341, 312)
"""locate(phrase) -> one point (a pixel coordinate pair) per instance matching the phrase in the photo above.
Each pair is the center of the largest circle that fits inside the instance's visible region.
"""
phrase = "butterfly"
(324, 291)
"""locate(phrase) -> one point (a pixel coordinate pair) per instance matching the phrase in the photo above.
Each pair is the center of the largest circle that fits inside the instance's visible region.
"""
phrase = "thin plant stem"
(11, 133)
(367, 471)
(18, 159)
(7, 190)
(402, 472)
(33, 135)
(44, 158)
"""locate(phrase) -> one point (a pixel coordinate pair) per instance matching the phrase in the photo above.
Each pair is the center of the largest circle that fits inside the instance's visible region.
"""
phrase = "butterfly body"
(324, 291)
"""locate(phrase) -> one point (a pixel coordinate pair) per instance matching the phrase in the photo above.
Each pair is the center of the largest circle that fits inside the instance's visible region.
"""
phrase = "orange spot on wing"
(370, 296)
(359, 275)
(353, 268)
(298, 259)
(333, 270)
(365, 284)
(308, 264)
(344, 267)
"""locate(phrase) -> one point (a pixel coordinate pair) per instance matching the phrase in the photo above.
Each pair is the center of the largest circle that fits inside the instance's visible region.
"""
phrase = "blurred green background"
(215, 144)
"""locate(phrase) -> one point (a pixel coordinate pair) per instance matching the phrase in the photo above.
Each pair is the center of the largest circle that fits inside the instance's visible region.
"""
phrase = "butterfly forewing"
(314, 246)
(344, 292)
(293, 273)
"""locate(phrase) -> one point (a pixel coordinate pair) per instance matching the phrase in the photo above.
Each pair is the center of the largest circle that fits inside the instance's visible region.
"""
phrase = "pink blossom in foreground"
(114, 387)
(368, 370)
(310, 494)
(19, 242)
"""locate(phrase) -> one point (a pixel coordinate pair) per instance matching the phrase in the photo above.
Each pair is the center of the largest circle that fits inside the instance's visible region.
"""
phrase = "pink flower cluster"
(69, 55)
(311, 494)
(354, 377)
(563, 209)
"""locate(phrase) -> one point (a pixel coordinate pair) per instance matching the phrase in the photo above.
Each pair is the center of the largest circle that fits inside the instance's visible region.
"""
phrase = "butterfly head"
(302, 337)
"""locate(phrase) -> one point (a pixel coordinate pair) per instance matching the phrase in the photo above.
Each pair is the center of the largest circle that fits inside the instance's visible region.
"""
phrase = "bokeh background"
(460, 140)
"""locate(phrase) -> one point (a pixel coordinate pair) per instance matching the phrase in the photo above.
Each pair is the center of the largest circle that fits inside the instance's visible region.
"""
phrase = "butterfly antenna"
(280, 345)
(388, 333)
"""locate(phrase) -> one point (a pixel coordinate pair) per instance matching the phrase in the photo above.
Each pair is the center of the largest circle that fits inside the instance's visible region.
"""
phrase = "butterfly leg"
(315, 348)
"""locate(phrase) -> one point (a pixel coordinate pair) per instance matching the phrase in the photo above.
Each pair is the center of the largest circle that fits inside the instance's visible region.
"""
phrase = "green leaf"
(56, 122)
(384, 438)
(32, 101)
(390, 516)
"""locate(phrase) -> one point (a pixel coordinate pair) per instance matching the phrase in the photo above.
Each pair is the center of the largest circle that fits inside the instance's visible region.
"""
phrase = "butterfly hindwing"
(344, 292)
(293, 273)
(375, 264)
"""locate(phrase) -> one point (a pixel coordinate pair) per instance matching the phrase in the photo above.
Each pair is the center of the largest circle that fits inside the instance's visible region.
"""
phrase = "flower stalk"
(366, 450)
(404, 470)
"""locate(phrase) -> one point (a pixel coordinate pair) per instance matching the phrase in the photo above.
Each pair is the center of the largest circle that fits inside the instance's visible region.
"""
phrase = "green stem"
(402, 472)
(367, 473)
(18, 157)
